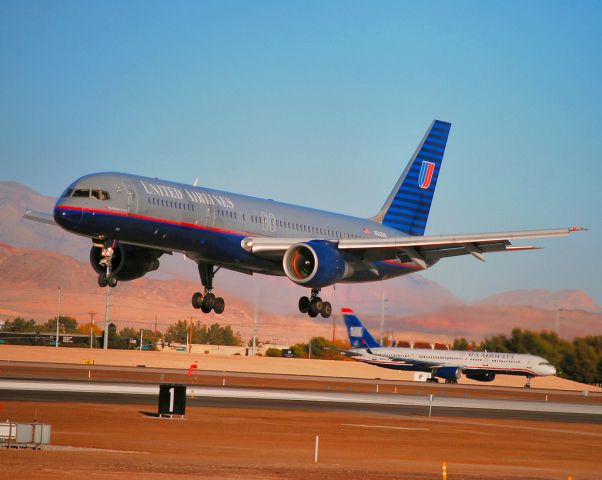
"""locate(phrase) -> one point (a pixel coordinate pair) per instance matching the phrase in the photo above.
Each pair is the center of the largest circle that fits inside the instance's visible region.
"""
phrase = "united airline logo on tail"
(426, 174)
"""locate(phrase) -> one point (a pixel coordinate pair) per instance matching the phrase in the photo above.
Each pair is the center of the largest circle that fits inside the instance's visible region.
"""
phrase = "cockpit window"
(67, 193)
(100, 194)
(81, 192)
(547, 364)
(86, 193)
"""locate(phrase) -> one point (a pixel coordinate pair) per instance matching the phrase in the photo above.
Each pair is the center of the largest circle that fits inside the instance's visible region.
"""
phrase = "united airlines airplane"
(446, 364)
(134, 220)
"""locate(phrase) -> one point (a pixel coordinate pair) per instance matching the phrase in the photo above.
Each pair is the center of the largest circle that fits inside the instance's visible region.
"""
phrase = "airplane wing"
(37, 216)
(421, 250)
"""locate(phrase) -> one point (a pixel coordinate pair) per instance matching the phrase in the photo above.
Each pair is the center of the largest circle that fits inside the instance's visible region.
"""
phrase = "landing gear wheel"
(219, 305)
(304, 304)
(432, 380)
(197, 300)
(312, 314)
(102, 280)
(209, 301)
(112, 280)
(315, 306)
(326, 309)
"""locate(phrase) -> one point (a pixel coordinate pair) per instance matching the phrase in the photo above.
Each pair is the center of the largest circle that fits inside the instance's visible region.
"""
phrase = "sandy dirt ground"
(119, 441)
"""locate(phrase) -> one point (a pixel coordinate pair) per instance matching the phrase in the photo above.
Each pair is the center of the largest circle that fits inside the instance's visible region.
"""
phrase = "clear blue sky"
(322, 103)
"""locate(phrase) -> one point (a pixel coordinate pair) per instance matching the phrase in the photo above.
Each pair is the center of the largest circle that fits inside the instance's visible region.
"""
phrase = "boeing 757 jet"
(134, 220)
(449, 365)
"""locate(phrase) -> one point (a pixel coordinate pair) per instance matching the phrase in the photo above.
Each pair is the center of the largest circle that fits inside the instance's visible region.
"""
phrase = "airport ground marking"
(387, 427)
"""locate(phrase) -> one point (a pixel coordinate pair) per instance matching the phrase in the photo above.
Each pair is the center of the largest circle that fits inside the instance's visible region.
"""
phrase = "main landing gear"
(107, 278)
(433, 378)
(314, 305)
(528, 384)
(207, 301)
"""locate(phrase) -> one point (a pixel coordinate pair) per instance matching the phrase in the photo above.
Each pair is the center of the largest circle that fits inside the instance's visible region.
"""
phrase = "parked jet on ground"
(446, 364)
(133, 220)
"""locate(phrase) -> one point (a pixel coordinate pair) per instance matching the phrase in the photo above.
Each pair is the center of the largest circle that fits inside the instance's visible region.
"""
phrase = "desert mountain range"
(36, 259)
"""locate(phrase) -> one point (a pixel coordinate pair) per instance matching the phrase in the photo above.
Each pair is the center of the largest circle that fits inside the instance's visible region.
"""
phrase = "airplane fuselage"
(468, 361)
(208, 225)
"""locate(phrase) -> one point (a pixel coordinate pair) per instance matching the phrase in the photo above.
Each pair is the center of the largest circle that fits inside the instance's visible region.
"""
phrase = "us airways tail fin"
(359, 337)
(409, 203)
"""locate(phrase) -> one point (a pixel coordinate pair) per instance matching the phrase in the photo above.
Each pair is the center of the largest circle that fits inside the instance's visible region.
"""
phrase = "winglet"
(347, 310)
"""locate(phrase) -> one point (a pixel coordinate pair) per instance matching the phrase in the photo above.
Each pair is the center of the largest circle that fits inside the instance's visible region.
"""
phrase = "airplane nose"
(552, 370)
(68, 217)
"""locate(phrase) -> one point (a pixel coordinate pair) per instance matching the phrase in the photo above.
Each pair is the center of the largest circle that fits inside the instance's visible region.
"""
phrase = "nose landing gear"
(107, 278)
(207, 301)
(314, 305)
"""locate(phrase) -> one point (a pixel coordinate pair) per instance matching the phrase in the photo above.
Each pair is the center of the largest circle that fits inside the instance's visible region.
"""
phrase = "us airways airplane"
(449, 365)
(134, 220)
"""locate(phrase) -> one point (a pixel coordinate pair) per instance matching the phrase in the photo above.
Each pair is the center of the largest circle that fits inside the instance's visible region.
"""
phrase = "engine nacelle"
(449, 373)
(128, 262)
(314, 264)
(481, 376)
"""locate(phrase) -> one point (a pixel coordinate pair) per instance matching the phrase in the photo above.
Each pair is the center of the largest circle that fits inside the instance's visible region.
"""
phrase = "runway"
(105, 392)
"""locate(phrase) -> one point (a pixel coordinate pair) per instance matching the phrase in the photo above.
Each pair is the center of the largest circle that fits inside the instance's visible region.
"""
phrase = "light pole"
(382, 319)
(255, 313)
(106, 335)
(92, 314)
(558, 310)
(58, 316)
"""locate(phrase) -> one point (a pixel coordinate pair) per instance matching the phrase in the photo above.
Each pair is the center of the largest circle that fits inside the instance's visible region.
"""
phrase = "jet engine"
(449, 373)
(314, 264)
(128, 261)
(481, 376)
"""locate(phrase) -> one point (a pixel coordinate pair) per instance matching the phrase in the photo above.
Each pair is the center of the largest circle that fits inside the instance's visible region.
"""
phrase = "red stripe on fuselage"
(151, 219)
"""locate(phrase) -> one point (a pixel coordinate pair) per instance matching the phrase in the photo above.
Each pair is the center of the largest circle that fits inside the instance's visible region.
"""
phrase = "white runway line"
(387, 427)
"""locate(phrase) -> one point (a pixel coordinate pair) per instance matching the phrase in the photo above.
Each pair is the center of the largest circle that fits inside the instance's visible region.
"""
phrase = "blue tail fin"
(359, 337)
(408, 206)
